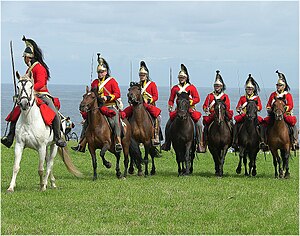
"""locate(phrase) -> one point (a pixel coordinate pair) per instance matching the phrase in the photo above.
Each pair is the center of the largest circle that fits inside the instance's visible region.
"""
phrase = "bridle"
(220, 117)
(27, 96)
(133, 98)
(85, 107)
(278, 112)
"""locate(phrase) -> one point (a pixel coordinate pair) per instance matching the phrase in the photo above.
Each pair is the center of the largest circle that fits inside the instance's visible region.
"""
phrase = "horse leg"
(18, 156)
(245, 163)
(187, 158)
(286, 157)
(239, 167)
(275, 154)
(43, 156)
(131, 167)
(53, 152)
(94, 160)
(49, 166)
(147, 147)
(179, 168)
(253, 160)
(118, 172)
(222, 160)
(152, 154)
(279, 160)
(106, 163)
(126, 161)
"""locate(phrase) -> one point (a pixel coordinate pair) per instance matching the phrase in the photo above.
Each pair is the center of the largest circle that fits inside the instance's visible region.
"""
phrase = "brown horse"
(141, 125)
(278, 138)
(99, 134)
(219, 137)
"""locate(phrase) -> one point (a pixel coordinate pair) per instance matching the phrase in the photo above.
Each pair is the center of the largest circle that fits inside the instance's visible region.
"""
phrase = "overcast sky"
(234, 37)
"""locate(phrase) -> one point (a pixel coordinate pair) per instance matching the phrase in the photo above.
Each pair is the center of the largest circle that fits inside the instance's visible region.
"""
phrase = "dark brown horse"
(99, 134)
(249, 139)
(142, 126)
(182, 131)
(219, 137)
(278, 138)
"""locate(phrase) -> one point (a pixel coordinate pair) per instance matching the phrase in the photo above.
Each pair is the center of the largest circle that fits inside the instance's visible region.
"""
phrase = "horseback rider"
(208, 105)
(282, 92)
(108, 90)
(33, 58)
(184, 85)
(251, 89)
(150, 96)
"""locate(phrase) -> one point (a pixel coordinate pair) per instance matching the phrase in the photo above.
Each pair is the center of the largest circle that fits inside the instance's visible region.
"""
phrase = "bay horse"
(278, 139)
(248, 139)
(182, 131)
(219, 136)
(32, 132)
(100, 136)
(142, 126)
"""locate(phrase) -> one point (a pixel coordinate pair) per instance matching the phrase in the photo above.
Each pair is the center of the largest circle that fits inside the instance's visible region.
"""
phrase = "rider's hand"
(269, 110)
(170, 108)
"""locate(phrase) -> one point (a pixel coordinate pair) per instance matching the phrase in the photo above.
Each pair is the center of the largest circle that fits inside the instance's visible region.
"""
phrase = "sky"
(238, 38)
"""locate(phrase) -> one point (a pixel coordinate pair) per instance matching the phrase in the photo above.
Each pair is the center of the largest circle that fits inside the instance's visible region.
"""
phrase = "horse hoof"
(107, 165)
(10, 190)
(152, 172)
(43, 188)
(94, 178)
(254, 173)
(140, 173)
(131, 171)
(238, 170)
(287, 175)
(53, 186)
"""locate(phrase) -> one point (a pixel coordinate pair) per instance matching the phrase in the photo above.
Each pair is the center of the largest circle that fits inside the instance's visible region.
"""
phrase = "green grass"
(160, 204)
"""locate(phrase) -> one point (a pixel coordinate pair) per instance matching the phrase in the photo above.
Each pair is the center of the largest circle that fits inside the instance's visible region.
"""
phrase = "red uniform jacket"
(111, 88)
(210, 101)
(40, 77)
(288, 99)
(194, 96)
(243, 102)
(150, 92)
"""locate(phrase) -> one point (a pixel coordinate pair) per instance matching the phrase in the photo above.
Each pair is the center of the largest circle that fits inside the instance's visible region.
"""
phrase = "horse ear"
(189, 92)
(18, 75)
(224, 99)
(87, 89)
(30, 74)
(256, 102)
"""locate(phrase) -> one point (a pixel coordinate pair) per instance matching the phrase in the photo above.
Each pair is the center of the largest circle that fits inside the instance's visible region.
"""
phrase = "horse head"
(278, 108)
(251, 110)
(134, 94)
(88, 100)
(25, 90)
(183, 105)
(220, 110)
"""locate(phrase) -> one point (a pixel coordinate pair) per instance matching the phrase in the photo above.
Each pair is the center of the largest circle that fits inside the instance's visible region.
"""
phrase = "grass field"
(160, 204)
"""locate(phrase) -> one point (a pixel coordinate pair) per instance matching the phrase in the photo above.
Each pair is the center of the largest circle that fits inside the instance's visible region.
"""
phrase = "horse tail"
(63, 152)
(135, 152)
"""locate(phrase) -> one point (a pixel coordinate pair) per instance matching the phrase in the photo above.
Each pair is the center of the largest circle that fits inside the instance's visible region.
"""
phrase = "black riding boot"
(57, 134)
(81, 145)
(9, 139)
(235, 136)
(167, 145)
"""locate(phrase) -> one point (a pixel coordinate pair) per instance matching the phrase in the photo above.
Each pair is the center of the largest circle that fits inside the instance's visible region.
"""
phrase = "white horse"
(32, 132)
